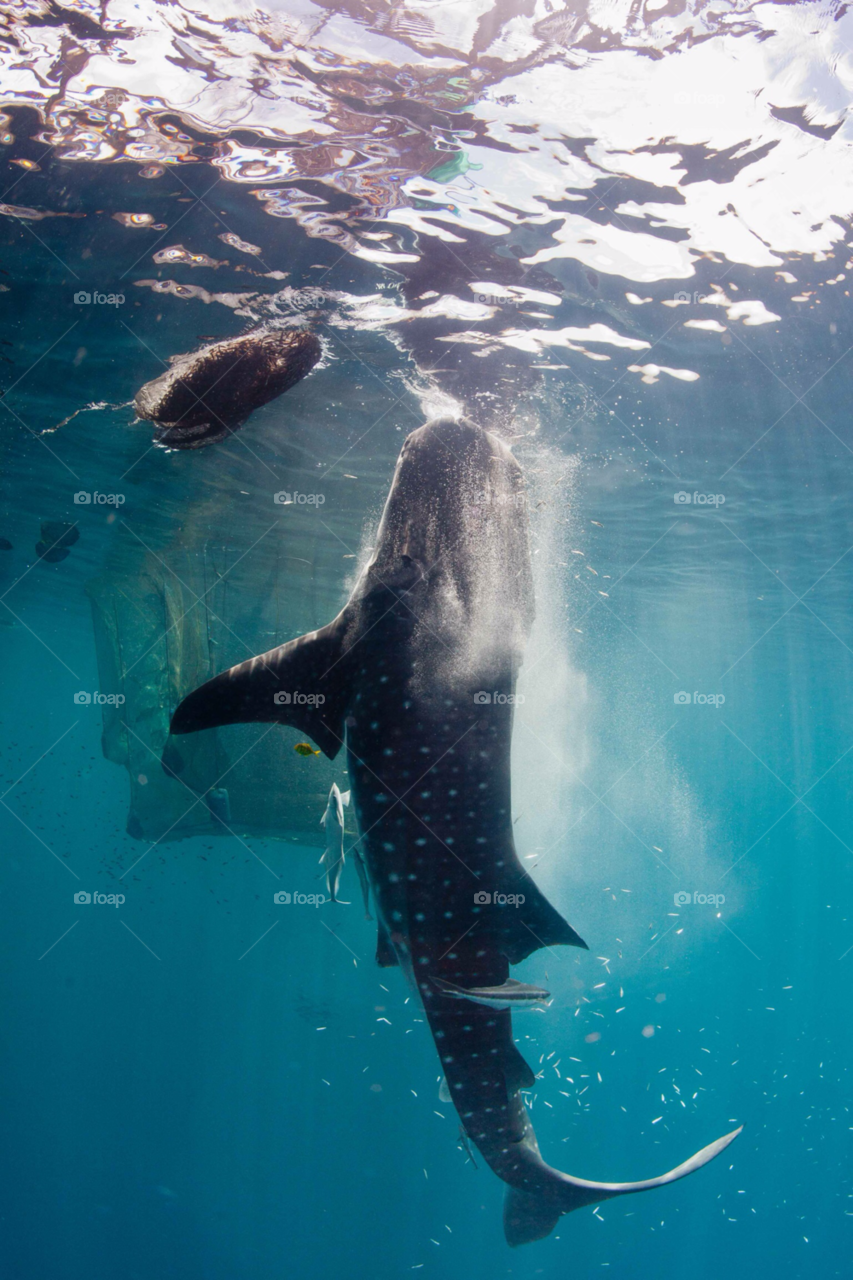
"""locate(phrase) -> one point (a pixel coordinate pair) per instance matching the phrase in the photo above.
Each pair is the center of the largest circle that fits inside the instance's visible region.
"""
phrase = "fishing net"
(165, 623)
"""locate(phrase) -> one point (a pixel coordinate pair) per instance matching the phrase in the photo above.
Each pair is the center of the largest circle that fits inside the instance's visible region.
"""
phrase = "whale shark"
(416, 679)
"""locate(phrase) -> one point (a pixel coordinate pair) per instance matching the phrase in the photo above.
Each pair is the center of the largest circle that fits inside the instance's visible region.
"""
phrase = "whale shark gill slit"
(417, 675)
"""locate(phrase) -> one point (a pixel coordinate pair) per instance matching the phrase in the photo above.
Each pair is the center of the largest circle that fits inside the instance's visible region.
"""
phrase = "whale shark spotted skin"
(418, 676)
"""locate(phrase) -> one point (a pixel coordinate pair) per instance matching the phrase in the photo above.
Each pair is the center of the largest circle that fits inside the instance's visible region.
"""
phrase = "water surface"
(617, 236)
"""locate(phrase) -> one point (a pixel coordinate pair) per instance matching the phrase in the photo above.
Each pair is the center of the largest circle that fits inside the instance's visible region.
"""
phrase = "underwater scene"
(426, 564)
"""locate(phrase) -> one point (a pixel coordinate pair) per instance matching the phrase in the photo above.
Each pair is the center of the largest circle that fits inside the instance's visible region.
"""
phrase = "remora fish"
(208, 394)
(418, 673)
(333, 857)
(510, 995)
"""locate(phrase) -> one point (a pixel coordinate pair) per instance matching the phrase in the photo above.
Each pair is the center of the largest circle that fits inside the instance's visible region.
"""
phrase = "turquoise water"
(201, 1082)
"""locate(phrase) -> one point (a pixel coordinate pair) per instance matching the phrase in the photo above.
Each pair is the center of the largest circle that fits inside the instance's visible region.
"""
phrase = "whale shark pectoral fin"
(531, 1216)
(303, 683)
(386, 956)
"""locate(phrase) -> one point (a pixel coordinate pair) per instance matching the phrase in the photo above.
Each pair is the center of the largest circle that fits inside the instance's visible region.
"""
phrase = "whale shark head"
(452, 548)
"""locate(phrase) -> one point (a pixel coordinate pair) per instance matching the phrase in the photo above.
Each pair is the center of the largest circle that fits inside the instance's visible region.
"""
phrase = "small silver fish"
(512, 995)
(332, 821)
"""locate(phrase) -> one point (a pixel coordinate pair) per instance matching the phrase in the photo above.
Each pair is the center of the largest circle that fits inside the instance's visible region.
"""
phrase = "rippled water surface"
(616, 236)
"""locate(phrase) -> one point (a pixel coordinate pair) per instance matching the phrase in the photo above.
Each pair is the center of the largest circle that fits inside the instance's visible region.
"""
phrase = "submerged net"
(163, 625)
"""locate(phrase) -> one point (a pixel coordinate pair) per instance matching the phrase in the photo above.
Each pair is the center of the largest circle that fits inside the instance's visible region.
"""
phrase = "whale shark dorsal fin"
(304, 683)
(534, 924)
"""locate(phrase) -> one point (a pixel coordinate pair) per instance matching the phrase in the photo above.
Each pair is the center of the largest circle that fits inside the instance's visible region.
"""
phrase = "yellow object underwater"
(305, 749)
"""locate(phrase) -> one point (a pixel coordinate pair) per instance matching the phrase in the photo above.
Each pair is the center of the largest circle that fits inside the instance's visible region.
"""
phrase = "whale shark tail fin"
(532, 1215)
(302, 683)
(528, 1217)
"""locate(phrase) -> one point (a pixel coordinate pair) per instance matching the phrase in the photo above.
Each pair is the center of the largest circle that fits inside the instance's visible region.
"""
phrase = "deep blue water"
(202, 1083)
